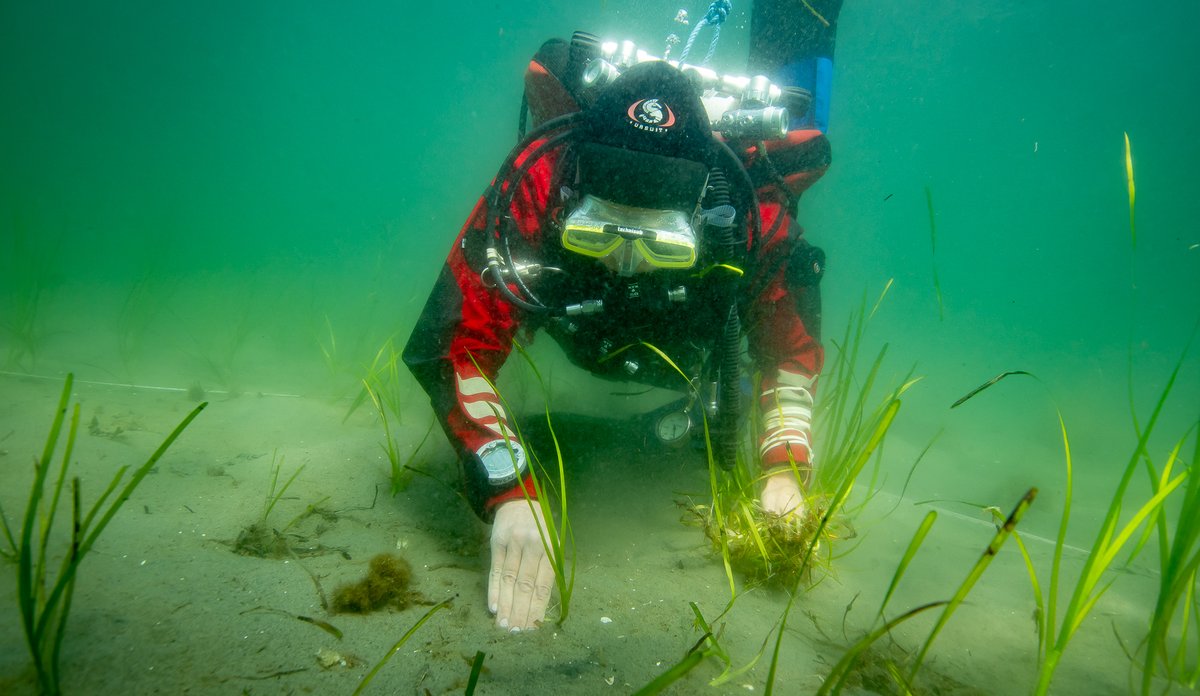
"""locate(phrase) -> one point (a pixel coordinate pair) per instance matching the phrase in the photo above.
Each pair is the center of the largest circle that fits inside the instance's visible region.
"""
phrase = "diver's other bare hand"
(521, 576)
(781, 495)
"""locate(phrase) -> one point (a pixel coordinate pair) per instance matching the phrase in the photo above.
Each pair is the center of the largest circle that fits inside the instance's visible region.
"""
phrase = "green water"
(221, 194)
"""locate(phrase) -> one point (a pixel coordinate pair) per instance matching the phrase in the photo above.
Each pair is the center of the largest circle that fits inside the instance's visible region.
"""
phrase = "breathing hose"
(719, 222)
(499, 197)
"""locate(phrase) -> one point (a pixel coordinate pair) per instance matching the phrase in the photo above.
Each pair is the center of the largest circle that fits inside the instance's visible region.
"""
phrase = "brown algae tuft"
(386, 585)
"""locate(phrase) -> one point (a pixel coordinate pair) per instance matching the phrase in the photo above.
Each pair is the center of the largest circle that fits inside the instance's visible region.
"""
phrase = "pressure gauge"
(673, 427)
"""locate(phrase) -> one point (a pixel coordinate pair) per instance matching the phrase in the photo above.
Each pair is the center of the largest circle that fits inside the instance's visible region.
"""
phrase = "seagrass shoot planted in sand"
(260, 538)
(44, 595)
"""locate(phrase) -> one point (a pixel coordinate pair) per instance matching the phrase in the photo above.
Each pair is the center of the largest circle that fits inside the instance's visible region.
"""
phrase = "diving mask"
(628, 239)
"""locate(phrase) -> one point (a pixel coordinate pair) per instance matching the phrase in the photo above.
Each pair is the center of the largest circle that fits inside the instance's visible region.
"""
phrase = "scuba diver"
(649, 211)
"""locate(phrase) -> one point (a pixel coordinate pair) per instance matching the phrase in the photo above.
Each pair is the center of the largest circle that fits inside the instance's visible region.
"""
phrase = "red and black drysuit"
(465, 323)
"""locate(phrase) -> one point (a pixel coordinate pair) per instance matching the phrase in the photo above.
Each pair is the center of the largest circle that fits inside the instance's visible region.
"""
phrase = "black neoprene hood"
(647, 140)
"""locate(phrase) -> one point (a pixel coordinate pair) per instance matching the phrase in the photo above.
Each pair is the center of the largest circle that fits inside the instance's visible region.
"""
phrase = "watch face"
(503, 461)
(673, 427)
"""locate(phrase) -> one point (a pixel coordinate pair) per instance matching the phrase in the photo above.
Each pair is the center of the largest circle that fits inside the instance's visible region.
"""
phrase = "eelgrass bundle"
(45, 597)
(852, 421)
(764, 548)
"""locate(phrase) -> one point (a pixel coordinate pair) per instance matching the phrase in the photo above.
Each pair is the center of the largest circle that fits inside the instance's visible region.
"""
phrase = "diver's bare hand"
(781, 495)
(522, 575)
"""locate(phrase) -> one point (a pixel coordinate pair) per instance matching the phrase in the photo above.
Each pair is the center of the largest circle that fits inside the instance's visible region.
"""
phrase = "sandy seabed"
(165, 605)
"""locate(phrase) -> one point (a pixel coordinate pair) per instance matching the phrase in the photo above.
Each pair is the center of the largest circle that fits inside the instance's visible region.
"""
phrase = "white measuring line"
(1024, 535)
(992, 525)
(147, 387)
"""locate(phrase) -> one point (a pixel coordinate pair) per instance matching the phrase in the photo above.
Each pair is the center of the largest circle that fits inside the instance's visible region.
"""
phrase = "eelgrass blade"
(1182, 588)
(89, 536)
(275, 496)
(715, 649)
(707, 629)
(1047, 612)
(400, 644)
(718, 506)
(912, 470)
(476, 668)
(48, 517)
(901, 681)
(553, 537)
(693, 657)
(399, 481)
(913, 546)
(323, 625)
(843, 492)
(987, 384)
(99, 504)
(1107, 553)
(1039, 608)
(1050, 624)
(44, 611)
(60, 621)
(389, 443)
(878, 302)
(752, 529)
(1194, 602)
(837, 676)
(835, 504)
(27, 591)
(11, 552)
(1177, 579)
(375, 373)
(844, 446)
(1158, 522)
(730, 673)
(968, 584)
(559, 535)
(1103, 550)
(1132, 191)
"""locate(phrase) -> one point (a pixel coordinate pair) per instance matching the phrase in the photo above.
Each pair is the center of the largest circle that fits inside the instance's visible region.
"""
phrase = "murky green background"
(253, 196)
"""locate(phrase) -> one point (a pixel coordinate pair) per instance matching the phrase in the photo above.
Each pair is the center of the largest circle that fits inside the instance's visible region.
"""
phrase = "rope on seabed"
(715, 17)
(126, 385)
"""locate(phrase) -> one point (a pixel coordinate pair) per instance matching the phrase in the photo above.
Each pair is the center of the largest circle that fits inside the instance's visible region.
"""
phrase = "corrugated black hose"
(719, 222)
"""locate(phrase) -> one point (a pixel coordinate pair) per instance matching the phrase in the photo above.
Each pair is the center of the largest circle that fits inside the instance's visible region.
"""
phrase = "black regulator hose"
(720, 218)
(728, 390)
(747, 187)
(499, 199)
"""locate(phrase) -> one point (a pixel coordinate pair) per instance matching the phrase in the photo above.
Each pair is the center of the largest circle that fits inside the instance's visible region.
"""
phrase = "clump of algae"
(386, 585)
